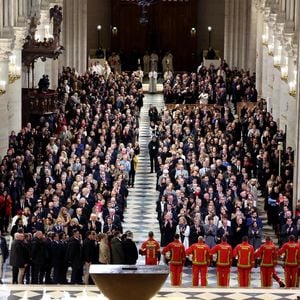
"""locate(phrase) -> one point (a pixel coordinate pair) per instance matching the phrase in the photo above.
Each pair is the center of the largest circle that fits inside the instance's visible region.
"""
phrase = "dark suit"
(40, 255)
(131, 252)
(58, 262)
(74, 259)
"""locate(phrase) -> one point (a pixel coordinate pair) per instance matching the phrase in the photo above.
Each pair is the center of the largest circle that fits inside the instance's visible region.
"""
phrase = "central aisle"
(140, 216)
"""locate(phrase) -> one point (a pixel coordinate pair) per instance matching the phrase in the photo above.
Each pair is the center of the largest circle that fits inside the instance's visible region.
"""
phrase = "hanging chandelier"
(144, 4)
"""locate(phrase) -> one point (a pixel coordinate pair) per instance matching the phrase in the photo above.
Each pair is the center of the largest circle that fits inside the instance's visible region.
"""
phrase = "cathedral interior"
(121, 117)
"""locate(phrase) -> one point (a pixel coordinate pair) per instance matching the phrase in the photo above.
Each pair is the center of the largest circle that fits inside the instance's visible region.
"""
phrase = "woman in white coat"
(183, 229)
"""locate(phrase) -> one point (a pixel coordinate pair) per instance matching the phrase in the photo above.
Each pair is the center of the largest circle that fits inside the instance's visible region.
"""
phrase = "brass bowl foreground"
(129, 282)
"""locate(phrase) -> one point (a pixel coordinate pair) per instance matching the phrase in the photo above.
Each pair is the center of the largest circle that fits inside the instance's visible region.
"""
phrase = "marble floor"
(35, 292)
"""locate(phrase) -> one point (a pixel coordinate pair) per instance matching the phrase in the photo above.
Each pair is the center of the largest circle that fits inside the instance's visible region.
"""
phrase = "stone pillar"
(252, 37)
(14, 91)
(5, 51)
(296, 185)
(259, 50)
(75, 31)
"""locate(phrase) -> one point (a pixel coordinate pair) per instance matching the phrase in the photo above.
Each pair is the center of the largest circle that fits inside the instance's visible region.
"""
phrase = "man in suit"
(57, 259)
(40, 255)
(109, 227)
(153, 151)
(74, 257)
(287, 229)
(82, 220)
(130, 249)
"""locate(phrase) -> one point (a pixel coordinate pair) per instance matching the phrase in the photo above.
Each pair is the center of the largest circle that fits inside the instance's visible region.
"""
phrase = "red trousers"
(176, 272)
(266, 276)
(151, 260)
(223, 275)
(291, 276)
(244, 277)
(202, 270)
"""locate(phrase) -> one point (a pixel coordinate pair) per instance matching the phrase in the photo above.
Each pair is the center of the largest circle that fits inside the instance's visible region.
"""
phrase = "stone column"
(252, 37)
(14, 91)
(75, 31)
(296, 185)
(5, 51)
(259, 50)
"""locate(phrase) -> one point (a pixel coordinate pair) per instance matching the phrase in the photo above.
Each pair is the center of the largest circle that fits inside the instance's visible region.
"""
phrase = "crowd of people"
(64, 182)
(70, 174)
(213, 166)
(210, 86)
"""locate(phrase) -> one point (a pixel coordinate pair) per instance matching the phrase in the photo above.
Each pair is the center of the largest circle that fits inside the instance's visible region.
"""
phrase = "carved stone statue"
(56, 14)
(34, 22)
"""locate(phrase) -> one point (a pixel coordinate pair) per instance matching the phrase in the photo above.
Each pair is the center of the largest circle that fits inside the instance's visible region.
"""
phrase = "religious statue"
(154, 61)
(56, 14)
(167, 62)
(34, 22)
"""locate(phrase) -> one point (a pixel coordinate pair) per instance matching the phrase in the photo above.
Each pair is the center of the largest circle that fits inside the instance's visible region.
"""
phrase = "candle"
(47, 32)
(139, 61)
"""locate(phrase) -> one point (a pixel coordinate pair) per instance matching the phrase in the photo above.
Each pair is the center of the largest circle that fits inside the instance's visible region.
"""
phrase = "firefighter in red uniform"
(201, 259)
(244, 253)
(291, 252)
(224, 259)
(268, 256)
(177, 259)
(151, 250)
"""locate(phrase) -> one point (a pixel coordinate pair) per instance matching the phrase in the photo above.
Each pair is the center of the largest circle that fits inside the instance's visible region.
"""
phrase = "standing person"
(5, 210)
(104, 251)
(268, 255)
(153, 151)
(255, 235)
(291, 253)
(223, 263)
(130, 249)
(90, 254)
(40, 255)
(152, 80)
(19, 257)
(57, 256)
(74, 257)
(177, 259)
(200, 261)
(244, 253)
(151, 249)
(210, 231)
(183, 229)
(3, 254)
(117, 250)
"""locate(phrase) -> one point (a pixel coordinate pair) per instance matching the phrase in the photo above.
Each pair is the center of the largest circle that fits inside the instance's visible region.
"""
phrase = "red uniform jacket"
(150, 248)
(200, 253)
(177, 252)
(268, 254)
(224, 251)
(291, 253)
(245, 254)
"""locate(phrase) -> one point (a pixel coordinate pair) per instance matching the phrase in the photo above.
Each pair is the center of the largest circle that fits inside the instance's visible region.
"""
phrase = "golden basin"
(118, 282)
